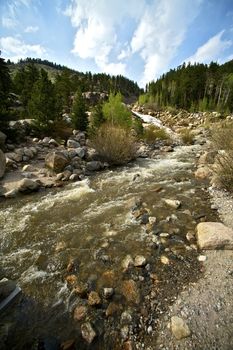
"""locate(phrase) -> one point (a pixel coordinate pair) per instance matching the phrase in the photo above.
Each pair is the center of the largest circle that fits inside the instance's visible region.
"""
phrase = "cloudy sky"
(140, 39)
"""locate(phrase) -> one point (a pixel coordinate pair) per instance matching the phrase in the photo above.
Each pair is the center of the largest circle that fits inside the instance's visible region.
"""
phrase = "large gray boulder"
(56, 161)
(2, 163)
(214, 235)
(94, 165)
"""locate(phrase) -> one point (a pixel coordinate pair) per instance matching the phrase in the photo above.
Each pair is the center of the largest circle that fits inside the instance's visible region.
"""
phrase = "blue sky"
(140, 39)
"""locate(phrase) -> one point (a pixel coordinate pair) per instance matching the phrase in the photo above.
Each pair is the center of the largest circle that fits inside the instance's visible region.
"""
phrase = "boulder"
(94, 165)
(73, 144)
(214, 235)
(27, 185)
(56, 161)
(2, 163)
(2, 139)
(179, 328)
(202, 173)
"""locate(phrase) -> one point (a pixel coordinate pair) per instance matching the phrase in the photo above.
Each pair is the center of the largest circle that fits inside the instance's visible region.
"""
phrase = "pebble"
(108, 292)
(164, 260)
(179, 328)
(139, 261)
(201, 258)
(88, 332)
(94, 299)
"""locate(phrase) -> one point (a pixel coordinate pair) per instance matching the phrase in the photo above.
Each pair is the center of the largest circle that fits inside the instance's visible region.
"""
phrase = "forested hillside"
(100, 82)
(194, 87)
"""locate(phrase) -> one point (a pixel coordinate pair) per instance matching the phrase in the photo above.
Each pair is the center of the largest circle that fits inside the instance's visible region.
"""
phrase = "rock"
(60, 246)
(111, 309)
(179, 328)
(46, 140)
(73, 144)
(139, 261)
(66, 175)
(144, 219)
(53, 142)
(74, 177)
(201, 258)
(2, 164)
(130, 291)
(94, 165)
(202, 173)
(35, 139)
(15, 156)
(190, 236)
(207, 157)
(80, 152)
(128, 345)
(28, 152)
(94, 298)
(108, 292)
(6, 287)
(173, 203)
(80, 313)
(81, 289)
(56, 161)
(127, 262)
(27, 186)
(124, 332)
(12, 193)
(164, 260)
(28, 167)
(88, 332)
(2, 139)
(214, 235)
(71, 280)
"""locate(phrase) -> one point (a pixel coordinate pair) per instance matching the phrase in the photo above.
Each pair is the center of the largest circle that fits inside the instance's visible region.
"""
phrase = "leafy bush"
(138, 127)
(114, 144)
(116, 113)
(153, 134)
(187, 136)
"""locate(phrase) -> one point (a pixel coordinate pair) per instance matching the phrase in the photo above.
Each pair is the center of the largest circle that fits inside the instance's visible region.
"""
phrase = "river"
(89, 224)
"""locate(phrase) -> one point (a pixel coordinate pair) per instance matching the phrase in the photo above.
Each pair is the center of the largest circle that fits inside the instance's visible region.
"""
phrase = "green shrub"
(116, 113)
(153, 134)
(114, 144)
(187, 136)
(138, 127)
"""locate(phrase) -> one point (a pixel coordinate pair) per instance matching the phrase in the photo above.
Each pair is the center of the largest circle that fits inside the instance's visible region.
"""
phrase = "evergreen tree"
(78, 114)
(42, 105)
(5, 85)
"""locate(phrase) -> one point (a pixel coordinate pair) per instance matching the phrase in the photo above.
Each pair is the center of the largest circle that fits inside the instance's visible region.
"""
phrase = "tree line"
(197, 87)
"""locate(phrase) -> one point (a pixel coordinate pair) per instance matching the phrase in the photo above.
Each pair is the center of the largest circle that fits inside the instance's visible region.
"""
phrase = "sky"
(140, 39)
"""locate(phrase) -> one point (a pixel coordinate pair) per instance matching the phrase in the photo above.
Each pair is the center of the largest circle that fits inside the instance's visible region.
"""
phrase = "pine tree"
(78, 114)
(5, 85)
(42, 105)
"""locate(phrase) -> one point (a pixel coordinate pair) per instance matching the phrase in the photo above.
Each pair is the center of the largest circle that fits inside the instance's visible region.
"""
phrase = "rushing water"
(89, 222)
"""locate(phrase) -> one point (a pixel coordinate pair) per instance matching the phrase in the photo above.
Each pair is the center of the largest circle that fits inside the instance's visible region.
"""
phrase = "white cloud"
(15, 48)
(96, 23)
(212, 50)
(31, 29)
(160, 33)
(10, 12)
(8, 22)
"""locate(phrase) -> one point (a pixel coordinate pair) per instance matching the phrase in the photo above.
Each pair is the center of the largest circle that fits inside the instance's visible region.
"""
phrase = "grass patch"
(152, 134)
(187, 136)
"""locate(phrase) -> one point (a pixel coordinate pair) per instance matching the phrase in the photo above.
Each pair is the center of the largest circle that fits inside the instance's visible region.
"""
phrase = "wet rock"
(94, 299)
(108, 292)
(94, 165)
(56, 161)
(2, 163)
(80, 313)
(12, 193)
(144, 219)
(28, 167)
(173, 203)
(53, 142)
(88, 333)
(130, 291)
(60, 246)
(214, 235)
(81, 289)
(127, 262)
(202, 173)
(6, 287)
(140, 261)
(27, 186)
(74, 177)
(66, 175)
(190, 236)
(73, 144)
(179, 328)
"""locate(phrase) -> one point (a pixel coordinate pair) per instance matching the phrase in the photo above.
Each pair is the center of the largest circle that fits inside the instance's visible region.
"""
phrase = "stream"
(61, 245)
